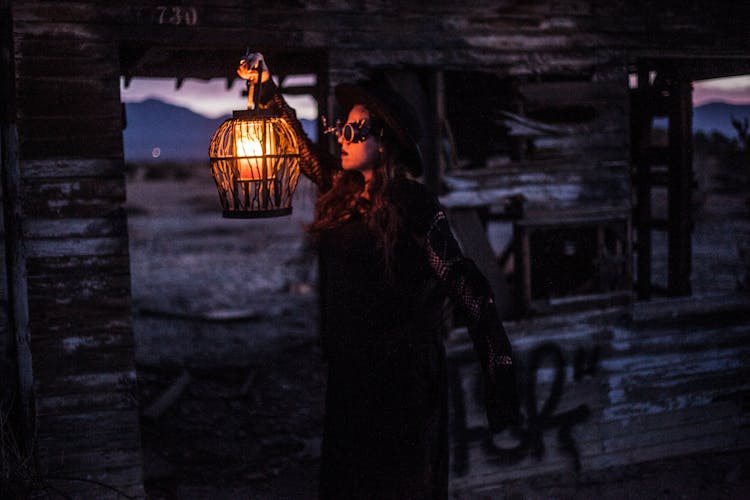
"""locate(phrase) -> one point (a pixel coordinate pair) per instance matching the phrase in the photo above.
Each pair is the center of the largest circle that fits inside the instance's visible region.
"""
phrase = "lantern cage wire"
(255, 177)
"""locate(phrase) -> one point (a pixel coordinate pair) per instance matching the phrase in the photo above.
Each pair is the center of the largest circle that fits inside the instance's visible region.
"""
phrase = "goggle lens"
(352, 132)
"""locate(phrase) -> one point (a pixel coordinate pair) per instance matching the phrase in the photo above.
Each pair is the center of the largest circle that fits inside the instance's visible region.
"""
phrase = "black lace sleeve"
(316, 164)
(470, 291)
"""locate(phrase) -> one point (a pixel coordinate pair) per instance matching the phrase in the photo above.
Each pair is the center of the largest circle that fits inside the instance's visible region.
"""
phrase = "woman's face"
(364, 155)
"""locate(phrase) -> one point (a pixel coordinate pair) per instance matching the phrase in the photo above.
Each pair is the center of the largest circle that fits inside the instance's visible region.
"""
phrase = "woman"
(388, 261)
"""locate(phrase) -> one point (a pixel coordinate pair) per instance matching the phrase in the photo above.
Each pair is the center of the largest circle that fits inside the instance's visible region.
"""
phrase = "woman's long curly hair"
(347, 199)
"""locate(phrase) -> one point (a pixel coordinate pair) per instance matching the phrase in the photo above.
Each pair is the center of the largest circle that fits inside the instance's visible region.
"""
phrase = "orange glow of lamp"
(255, 161)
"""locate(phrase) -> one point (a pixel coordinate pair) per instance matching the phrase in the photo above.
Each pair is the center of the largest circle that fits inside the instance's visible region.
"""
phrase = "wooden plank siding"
(560, 184)
(626, 395)
(75, 240)
(68, 58)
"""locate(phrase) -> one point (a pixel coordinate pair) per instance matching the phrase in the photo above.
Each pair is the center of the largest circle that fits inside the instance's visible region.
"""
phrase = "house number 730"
(177, 15)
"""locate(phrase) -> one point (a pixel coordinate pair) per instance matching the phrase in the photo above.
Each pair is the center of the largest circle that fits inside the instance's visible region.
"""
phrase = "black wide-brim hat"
(394, 111)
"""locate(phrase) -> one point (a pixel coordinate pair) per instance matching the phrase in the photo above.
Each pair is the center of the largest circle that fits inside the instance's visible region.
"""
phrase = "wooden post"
(641, 139)
(523, 263)
(15, 255)
(680, 184)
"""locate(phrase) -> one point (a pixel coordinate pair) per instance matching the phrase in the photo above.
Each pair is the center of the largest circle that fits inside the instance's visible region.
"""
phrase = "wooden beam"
(640, 120)
(15, 252)
(680, 186)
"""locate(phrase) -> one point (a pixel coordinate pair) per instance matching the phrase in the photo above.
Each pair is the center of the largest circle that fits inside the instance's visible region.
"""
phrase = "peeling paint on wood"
(76, 246)
(17, 279)
(110, 225)
(72, 168)
(653, 393)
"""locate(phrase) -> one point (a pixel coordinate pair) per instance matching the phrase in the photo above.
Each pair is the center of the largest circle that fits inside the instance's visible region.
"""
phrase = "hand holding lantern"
(251, 65)
(248, 69)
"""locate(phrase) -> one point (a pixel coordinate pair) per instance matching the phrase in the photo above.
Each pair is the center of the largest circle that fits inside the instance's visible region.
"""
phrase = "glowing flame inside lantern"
(255, 163)
(250, 137)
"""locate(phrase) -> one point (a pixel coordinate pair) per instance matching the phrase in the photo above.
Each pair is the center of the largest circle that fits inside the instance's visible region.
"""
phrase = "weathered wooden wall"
(75, 246)
(68, 58)
(602, 393)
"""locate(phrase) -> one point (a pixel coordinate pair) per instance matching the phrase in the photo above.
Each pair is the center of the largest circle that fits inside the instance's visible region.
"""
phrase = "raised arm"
(316, 164)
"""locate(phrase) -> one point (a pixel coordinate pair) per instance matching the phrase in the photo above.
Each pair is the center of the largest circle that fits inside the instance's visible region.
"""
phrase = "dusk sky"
(209, 98)
(734, 90)
(212, 99)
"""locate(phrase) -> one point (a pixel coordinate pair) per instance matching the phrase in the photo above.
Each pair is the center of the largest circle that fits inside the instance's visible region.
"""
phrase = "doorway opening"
(224, 310)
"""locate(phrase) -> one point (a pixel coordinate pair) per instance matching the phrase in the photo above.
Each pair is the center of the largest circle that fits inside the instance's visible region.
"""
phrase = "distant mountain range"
(717, 116)
(160, 131)
(181, 134)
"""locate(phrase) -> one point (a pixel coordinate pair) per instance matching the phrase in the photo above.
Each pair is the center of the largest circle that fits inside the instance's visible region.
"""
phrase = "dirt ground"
(231, 381)
(225, 320)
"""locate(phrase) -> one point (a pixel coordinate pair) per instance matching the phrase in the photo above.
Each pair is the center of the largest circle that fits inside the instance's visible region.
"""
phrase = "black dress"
(386, 421)
(386, 428)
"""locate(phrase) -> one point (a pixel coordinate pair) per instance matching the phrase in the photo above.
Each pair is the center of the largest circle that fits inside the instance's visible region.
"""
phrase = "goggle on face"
(353, 132)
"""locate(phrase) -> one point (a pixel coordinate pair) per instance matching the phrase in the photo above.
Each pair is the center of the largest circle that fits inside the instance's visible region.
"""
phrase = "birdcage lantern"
(255, 161)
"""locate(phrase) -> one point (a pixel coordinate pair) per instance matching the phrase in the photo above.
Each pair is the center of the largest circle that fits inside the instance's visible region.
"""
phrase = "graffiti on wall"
(537, 417)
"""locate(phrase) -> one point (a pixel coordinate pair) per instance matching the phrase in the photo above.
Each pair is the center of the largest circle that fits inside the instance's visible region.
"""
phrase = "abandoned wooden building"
(539, 114)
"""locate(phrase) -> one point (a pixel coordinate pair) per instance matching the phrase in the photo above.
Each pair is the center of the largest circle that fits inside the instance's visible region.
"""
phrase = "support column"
(680, 186)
